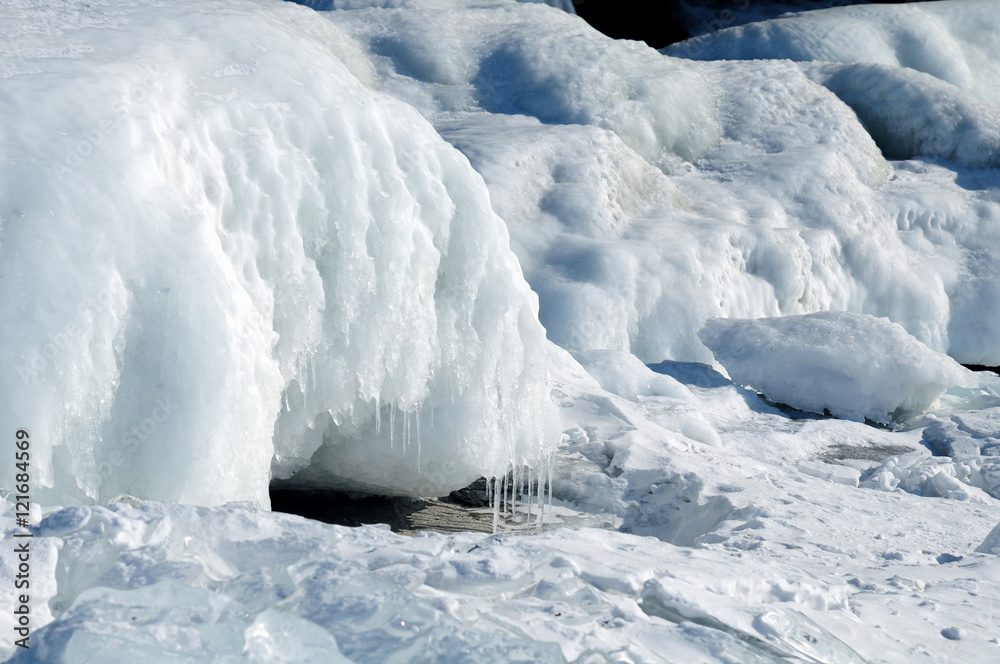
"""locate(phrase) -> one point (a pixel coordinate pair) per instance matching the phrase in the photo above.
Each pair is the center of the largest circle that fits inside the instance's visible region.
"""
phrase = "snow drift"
(227, 259)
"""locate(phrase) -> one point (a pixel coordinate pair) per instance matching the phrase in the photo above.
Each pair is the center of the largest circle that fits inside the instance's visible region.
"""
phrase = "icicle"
(515, 492)
(550, 464)
(528, 522)
(378, 416)
(541, 494)
(416, 415)
(392, 425)
(504, 498)
(406, 430)
(496, 503)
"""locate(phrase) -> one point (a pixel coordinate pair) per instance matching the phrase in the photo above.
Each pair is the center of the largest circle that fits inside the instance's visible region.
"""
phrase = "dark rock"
(476, 494)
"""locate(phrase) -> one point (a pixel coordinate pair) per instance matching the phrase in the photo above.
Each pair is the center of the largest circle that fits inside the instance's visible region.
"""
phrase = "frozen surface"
(214, 273)
(854, 366)
(235, 247)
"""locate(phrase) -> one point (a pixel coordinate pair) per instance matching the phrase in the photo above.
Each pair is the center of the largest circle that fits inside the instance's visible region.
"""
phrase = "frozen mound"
(992, 542)
(921, 77)
(506, 57)
(854, 366)
(954, 41)
(225, 262)
(646, 194)
(910, 114)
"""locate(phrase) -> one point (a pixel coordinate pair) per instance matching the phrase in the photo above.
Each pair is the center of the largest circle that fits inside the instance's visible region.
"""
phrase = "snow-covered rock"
(853, 365)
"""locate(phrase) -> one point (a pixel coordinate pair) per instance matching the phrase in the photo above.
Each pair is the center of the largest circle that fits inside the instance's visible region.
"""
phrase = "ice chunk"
(214, 274)
(957, 479)
(853, 365)
(992, 542)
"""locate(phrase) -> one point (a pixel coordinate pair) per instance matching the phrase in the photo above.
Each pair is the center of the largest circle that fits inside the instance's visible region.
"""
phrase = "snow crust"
(225, 259)
(853, 366)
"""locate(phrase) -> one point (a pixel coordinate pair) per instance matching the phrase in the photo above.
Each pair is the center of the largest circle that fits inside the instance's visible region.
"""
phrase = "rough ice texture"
(922, 77)
(943, 477)
(954, 41)
(226, 259)
(646, 194)
(853, 365)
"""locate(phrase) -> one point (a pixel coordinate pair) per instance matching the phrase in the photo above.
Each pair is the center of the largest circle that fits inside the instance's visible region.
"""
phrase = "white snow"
(241, 240)
(854, 366)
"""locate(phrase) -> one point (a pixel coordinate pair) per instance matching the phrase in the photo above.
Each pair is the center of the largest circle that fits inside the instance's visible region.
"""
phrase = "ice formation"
(645, 195)
(226, 259)
(852, 365)
(957, 479)
(227, 252)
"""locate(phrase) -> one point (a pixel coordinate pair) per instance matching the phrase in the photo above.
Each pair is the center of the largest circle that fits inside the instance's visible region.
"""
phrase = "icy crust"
(646, 194)
(226, 259)
(158, 583)
(854, 366)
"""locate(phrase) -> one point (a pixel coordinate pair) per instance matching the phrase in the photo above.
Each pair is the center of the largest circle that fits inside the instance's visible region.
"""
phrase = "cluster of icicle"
(508, 496)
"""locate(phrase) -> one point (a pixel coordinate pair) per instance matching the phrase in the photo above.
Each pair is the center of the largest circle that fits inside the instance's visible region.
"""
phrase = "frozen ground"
(246, 241)
(754, 544)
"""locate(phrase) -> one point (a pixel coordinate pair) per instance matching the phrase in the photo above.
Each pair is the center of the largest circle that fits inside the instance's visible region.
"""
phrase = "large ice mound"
(921, 77)
(226, 259)
(646, 194)
(853, 365)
